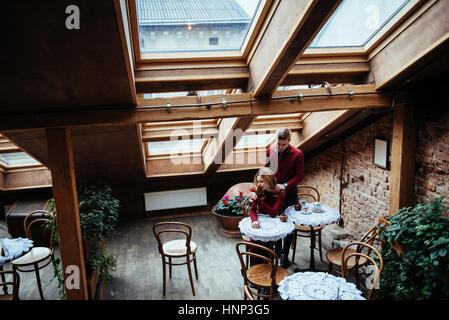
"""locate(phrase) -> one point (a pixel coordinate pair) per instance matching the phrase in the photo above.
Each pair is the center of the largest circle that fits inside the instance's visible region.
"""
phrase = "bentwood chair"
(264, 275)
(350, 254)
(42, 252)
(175, 249)
(311, 193)
(14, 283)
(335, 256)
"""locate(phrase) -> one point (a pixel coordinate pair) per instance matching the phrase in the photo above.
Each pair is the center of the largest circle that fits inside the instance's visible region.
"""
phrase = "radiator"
(175, 199)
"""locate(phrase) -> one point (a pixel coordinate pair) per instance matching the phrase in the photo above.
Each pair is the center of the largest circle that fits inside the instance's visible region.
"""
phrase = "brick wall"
(366, 195)
(432, 160)
(366, 199)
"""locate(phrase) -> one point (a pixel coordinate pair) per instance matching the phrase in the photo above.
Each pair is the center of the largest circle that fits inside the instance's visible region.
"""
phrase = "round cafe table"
(317, 286)
(312, 220)
(271, 229)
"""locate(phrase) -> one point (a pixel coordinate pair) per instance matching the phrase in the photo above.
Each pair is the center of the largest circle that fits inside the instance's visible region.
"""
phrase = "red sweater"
(270, 205)
(290, 167)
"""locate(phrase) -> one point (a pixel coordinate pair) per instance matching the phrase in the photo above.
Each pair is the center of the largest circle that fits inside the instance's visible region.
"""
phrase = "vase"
(229, 225)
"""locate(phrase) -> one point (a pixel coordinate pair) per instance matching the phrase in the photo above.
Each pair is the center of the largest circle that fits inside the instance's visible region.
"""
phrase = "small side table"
(312, 220)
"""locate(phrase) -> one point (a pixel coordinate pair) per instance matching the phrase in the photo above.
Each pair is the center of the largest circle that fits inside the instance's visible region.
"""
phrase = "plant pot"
(229, 225)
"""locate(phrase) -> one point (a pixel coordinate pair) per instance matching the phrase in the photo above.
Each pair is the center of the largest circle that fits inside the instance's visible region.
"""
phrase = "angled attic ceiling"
(93, 80)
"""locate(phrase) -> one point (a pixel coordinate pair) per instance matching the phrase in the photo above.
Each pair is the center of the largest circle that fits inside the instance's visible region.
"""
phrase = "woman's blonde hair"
(268, 178)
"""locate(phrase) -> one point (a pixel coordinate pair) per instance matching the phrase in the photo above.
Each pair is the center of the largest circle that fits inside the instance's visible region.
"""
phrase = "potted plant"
(98, 212)
(229, 211)
(415, 251)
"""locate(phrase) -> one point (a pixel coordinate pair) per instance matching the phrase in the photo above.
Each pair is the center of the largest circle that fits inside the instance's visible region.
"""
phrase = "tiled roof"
(157, 12)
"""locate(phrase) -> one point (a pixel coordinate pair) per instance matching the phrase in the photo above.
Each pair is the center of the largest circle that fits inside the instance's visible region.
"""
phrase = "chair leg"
(194, 264)
(356, 270)
(38, 278)
(329, 267)
(190, 275)
(169, 267)
(319, 245)
(295, 235)
(163, 275)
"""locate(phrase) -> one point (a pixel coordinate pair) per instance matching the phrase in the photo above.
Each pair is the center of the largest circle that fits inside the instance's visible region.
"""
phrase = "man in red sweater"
(288, 164)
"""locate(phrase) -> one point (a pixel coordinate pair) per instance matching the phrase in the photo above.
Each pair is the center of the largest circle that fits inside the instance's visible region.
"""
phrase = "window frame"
(253, 36)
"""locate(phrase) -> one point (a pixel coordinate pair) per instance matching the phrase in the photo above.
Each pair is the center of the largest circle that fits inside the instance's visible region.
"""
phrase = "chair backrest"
(15, 283)
(245, 208)
(370, 236)
(34, 225)
(378, 265)
(168, 228)
(308, 191)
(246, 249)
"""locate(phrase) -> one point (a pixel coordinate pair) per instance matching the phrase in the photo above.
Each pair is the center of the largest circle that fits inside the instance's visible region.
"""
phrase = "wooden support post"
(403, 154)
(60, 158)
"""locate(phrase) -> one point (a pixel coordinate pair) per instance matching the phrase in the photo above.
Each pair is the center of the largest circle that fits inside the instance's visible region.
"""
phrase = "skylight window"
(194, 25)
(355, 22)
(175, 148)
(254, 141)
(17, 159)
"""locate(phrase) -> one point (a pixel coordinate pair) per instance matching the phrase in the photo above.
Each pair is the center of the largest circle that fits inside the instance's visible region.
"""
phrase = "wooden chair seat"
(334, 256)
(6, 297)
(259, 274)
(36, 254)
(176, 248)
(307, 229)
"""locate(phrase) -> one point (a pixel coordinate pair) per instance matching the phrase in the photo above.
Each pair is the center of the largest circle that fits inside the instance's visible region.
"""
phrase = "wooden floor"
(138, 275)
(139, 266)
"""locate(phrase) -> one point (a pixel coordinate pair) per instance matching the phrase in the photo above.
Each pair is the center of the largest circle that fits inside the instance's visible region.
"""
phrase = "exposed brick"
(442, 156)
(364, 202)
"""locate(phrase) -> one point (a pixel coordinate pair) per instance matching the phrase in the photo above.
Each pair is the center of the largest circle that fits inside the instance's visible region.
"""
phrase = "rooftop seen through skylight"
(194, 25)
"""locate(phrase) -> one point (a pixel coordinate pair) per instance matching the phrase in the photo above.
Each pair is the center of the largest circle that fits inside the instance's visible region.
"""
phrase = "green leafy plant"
(98, 211)
(231, 207)
(414, 273)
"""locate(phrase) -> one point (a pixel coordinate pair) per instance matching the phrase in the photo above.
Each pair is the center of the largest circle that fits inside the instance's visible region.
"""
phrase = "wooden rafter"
(425, 38)
(231, 131)
(291, 29)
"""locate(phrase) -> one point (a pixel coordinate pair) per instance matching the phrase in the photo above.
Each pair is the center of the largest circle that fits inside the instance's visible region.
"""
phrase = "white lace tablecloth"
(271, 229)
(317, 286)
(313, 219)
(14, 248)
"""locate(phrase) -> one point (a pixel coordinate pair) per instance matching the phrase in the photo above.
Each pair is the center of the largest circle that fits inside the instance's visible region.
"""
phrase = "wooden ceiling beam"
(352, 72)
(184, 133)
(291, 29)
(365, 96)
(191, 79)
(424, 40)
(230, 133)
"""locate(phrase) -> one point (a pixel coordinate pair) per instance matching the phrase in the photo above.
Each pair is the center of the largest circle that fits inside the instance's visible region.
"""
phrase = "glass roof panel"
(175, 147)
(355, 22)
(194, 25)
(17, 159)
(254, 140)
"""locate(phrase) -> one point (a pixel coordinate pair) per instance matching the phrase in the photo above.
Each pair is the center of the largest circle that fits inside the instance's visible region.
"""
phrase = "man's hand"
(255, 224)
(279, 188)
